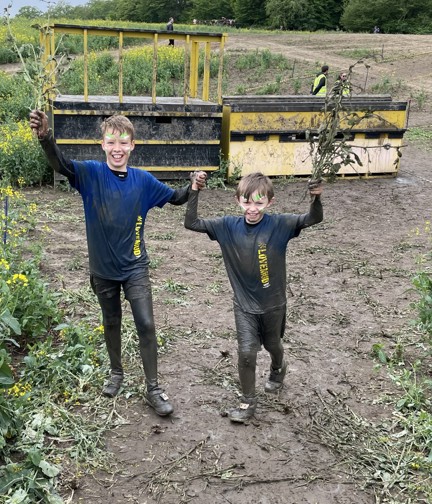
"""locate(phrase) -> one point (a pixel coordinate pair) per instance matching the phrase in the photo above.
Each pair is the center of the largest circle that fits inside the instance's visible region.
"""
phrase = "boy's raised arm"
(39, 125)
(192, 221)
(315, 214)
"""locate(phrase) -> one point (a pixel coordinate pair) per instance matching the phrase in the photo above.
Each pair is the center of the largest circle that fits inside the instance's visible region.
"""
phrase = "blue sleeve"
(158, 192)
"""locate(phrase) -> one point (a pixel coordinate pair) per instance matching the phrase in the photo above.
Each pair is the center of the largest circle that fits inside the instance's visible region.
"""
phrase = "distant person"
(254, 248)
(319, 86)
(376, 29)
(342, 85)
(170, 27)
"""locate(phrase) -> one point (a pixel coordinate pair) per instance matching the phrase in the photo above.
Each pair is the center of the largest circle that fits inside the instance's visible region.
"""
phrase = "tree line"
(391, 16)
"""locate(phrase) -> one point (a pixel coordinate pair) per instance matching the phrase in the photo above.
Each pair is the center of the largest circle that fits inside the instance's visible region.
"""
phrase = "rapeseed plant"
(21, 160)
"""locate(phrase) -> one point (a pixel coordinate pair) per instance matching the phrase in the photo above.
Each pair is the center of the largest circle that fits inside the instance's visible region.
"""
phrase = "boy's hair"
(118, 123)
(255, 182)
(324, 69)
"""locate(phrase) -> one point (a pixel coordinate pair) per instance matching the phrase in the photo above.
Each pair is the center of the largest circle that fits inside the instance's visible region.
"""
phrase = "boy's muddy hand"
(315, 187)
(198, 179)
(39, 123)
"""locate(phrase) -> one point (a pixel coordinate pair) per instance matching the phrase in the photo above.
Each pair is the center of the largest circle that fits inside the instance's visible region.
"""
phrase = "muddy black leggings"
(138, 293)
(254, 330)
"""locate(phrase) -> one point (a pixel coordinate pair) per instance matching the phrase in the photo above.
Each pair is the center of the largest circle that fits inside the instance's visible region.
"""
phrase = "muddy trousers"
(138, 293)
(254, 331)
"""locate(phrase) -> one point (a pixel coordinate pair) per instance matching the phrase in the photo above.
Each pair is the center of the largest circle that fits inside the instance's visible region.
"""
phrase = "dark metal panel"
(167, 155)
(109, 105)
(146, 128)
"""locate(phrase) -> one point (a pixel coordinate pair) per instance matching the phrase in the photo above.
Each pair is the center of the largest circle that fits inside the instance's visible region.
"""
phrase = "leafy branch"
(38, 69)
(330, 147)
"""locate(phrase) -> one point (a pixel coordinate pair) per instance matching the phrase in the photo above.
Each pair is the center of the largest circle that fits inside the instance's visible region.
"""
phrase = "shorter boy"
(254, 248)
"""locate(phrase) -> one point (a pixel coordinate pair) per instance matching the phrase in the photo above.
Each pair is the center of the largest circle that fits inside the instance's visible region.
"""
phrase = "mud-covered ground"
(349, 288)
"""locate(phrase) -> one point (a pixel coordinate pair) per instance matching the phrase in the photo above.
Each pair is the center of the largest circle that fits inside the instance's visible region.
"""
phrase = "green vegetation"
(358, 53)
(39, 393)
(420, 136)
(387, 85)
(103, 71)
(403, 17)
(408, 438)
(21, 159)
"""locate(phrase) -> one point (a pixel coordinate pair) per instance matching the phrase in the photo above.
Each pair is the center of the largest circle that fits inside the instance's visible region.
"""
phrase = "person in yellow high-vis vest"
(342, 86)
(319, 86)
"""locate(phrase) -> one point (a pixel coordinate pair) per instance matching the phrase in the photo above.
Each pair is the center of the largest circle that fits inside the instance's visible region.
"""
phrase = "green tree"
(29, 12)
(287, 14)
(61, 9)
(249, 12)
(392, 16)
(299, 15)
(205, 10)
(154, 11)
(97, 9)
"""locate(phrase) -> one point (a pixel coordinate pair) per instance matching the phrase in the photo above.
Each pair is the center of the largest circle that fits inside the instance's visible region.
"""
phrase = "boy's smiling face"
(254, 207)
(117, 147)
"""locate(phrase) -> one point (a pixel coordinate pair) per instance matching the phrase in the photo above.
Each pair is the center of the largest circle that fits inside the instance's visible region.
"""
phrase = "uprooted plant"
(38, 68)
(331, 146)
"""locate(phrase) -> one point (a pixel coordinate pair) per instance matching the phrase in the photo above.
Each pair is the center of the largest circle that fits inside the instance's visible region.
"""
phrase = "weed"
(297, 85)
(155, 262)
(420, 97)
(416, 392)
(387, 85)
(75, 263)
(176, 287)
(39, 72)
(358, 53)
(176, 302)
(421, 136)
(161, 236)
(271, 88)
(218, 177)
(241, 90)
(216, 287)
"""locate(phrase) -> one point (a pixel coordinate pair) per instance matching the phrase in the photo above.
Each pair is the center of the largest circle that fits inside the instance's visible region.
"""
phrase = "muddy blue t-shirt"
(115, 211)
(254, 256)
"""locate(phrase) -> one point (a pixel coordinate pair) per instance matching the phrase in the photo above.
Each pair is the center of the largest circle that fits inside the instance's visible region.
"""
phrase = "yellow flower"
(19, 389)
(18, 277)
(4, 264)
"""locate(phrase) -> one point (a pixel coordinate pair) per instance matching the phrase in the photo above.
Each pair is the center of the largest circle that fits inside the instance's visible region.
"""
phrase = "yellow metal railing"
(192, 42)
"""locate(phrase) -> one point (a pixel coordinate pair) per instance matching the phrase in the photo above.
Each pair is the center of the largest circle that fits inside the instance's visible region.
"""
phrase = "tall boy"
(254, 248)
(116, 200)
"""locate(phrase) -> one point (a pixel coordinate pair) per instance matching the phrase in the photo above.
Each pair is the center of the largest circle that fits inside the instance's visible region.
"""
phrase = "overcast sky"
(39, 4)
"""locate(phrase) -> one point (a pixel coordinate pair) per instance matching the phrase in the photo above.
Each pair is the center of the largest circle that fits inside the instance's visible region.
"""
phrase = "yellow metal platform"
(271, 134)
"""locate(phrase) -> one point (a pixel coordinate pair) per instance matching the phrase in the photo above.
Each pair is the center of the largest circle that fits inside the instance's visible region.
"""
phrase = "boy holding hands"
(116, 201)
(254, 249)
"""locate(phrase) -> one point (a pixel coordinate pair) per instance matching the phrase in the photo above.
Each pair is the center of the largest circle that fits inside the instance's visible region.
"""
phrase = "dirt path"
(349, 281)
